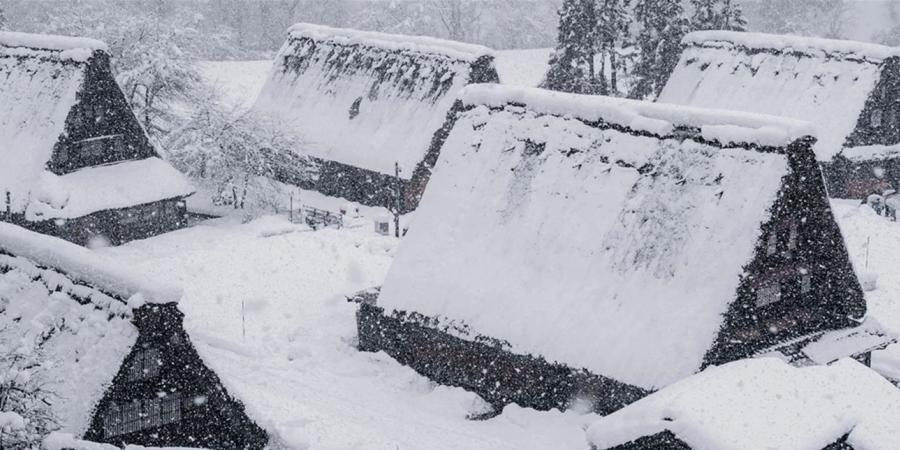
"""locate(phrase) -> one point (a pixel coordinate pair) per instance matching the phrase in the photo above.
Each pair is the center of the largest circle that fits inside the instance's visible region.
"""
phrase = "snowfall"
(265, 304)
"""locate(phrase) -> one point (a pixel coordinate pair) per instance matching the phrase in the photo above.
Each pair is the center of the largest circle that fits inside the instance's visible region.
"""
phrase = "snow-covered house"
(848, 90)
(107, 350)
(75, 161)
(366, 104)
(574, 246)
(761, 403)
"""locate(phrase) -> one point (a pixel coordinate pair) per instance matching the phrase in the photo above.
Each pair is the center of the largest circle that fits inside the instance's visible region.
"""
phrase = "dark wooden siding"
(818, 252)
(101, 127)
(497, 375)
(116, 226)
(164, 395)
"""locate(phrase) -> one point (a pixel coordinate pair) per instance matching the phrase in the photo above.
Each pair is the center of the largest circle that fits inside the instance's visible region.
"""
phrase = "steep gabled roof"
(764, 403)
(823, 81)
(601, 233)
(42, 78)
(74, 302)
(368, 99)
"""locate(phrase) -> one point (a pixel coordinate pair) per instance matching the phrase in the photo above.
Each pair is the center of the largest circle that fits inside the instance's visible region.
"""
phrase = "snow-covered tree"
(825, 18)
(717, 15)
(661, 24)
(891, 36)
(235, 155)
(2, 16)
(572, 62)
(459, 18)
(25, 415)
(613, 18)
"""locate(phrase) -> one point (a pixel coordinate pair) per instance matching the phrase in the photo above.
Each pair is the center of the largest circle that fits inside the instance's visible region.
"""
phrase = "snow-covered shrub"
(25, 415)
(235, 155)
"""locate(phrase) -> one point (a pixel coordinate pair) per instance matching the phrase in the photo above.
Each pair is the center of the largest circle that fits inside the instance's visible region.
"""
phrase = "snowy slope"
(524, 67)
(825, 82)
(765, 404)
(296, 368)
(539, 229)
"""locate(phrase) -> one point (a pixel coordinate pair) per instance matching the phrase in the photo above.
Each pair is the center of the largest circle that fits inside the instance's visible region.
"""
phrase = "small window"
(145, 365)
(794, 234)
(772, 243)
(171, 408)
(768, 294)
(805, 283)
(875, 118)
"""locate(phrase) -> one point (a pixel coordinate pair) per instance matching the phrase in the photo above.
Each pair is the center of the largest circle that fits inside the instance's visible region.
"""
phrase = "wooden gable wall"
(101, 127)
(801, 279)
(164, 395)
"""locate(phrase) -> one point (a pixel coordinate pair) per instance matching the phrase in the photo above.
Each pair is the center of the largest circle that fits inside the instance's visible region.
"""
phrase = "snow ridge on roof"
(84, 265)
(764, 403)
(69, 48)
(724, 126)
(834, 48)
(423, 44)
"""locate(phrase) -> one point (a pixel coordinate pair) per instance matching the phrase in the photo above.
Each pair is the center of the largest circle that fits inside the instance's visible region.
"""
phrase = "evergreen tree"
(612, 27)
(717, 15)
(2, 16)
(572, 63)
(661, 25)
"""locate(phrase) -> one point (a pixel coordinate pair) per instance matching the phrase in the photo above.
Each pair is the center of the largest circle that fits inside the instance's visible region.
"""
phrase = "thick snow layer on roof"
(588, 246)
(35, 98)
(828, 91)
(85, 265)
(111, 186)
(420, 44)
(764, 403)
(836, 48)
(83, 344)
(64, 48)
(729, 127)
(67, 441)
(871, 152)
(368, 106)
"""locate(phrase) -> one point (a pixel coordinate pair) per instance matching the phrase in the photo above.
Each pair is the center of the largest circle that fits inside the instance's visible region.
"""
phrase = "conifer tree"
(572, 63)
(612, 27)
(717, 15)
(661, 25)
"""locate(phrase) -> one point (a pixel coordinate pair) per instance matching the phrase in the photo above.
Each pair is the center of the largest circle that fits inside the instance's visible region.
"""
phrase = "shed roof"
(565, 223)
(764, 403)
(366, 99)
(825, 82)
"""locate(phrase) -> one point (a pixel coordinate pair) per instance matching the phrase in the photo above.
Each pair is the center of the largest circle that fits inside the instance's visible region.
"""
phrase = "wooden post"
(291, 214)
(399, 199)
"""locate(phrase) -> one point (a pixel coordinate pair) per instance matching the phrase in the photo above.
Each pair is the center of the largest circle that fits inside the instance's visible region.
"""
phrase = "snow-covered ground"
(239, 82)
(264, 303)
(874, 246)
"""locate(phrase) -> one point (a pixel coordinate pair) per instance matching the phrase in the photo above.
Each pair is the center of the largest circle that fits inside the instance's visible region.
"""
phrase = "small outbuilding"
(75, 161)
(106, 353)
(760, 403)
(366, 107)
(584, 247)
(849, 90)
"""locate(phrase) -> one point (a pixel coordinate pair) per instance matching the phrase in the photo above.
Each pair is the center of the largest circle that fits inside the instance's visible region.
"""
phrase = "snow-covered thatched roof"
(42, 80)
(85, 266)
(601, 233)
(823, 81)
(764, 403)
(368, 99)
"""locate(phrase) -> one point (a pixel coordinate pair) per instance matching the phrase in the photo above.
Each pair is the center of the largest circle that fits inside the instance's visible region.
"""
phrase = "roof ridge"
(424, 44)
(841, 48)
